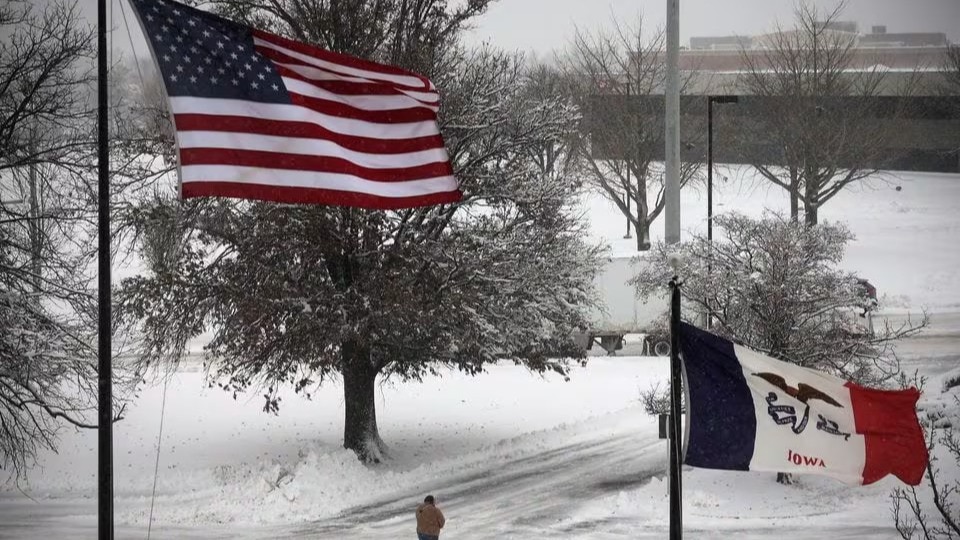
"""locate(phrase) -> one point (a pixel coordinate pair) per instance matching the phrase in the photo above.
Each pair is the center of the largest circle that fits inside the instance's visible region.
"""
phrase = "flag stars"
(248, 66)
(193, 79)
(173, 48)
(206, 33)
(200, 70)
(180, 68)
(186, 59)
(234, 56)
(235, 82)
(275, 87)
(173, 78)
(255, 86)
(214, 80)
(261, 76)
(220, 44)
(166, 58)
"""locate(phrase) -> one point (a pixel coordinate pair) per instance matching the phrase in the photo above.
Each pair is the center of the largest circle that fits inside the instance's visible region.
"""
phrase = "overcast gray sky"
(545, 25)
(542, 26)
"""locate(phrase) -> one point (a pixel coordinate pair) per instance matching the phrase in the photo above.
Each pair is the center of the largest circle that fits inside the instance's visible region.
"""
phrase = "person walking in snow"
(429, 519)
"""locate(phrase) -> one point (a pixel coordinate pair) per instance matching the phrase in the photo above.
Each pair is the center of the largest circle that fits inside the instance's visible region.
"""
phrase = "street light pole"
(710, 101)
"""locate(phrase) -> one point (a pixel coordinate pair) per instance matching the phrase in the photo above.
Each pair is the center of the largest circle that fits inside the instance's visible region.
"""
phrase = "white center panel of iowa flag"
(805, 420)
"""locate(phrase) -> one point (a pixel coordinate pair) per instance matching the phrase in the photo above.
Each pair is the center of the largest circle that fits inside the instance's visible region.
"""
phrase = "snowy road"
(530, 494)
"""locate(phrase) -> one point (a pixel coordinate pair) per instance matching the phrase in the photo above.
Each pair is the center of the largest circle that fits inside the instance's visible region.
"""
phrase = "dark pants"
(421, 536)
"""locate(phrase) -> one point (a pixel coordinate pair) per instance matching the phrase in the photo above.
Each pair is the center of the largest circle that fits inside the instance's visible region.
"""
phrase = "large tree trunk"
(811, 215)
(643, 216)
(643, 232)
(794, 195)
(360, 432)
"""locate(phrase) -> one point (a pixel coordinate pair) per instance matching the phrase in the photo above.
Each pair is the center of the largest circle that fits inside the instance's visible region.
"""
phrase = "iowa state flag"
(750, 412)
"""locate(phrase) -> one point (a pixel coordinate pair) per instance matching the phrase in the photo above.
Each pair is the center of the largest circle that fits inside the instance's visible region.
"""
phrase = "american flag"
(259, 116)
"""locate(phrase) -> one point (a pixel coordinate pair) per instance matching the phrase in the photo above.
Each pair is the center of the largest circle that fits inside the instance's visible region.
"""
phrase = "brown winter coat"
(429, 519)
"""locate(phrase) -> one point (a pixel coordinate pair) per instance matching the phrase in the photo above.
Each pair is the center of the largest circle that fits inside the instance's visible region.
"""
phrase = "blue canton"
(202, 55)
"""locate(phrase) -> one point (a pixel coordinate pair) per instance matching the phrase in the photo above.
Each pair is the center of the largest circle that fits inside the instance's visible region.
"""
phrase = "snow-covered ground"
(508, 454)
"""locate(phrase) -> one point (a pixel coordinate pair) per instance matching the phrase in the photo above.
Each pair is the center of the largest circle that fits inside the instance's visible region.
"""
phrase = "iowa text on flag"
(747, 411)
(263, 117)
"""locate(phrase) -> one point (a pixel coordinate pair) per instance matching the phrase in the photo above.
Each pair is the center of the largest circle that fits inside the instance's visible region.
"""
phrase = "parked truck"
(621, 315)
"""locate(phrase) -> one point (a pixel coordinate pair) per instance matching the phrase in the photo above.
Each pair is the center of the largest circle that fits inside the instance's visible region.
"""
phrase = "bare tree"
(817, 109)
(616, 77)
(47, 154)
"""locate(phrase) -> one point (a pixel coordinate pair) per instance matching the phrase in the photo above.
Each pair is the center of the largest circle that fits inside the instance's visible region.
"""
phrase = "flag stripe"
(228, 123)
(894, 439)
(320, 164)
(346, 112)
(316, 180)
(347, 84)
(363, 102)
(299, 195)
(286, 113)
(309, 147)
(339, 64)
(720, 438)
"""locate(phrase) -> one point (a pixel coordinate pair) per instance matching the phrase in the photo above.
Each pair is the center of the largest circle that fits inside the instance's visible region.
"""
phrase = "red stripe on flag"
(298, 195)
(894, 439)
(333, 108)
(299, 162)
(307, 130)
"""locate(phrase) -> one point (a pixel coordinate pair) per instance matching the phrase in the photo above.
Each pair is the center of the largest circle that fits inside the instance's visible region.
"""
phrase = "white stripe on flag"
(308, 147)
(316, 180)
(295, 113)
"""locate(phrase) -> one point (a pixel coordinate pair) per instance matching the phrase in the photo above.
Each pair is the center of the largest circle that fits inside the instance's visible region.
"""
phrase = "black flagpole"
(676, 375)
(105, 375)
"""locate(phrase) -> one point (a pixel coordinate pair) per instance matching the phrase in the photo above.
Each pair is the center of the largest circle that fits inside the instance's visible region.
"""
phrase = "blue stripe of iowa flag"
(724, 433)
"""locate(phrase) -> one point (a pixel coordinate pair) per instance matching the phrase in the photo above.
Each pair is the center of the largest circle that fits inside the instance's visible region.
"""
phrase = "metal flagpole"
(105, 375)
(676, 375)
(672, 217)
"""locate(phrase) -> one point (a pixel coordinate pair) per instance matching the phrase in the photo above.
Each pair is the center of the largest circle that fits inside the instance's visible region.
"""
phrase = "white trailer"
(621, 314)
